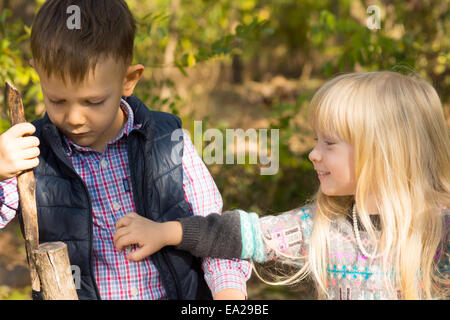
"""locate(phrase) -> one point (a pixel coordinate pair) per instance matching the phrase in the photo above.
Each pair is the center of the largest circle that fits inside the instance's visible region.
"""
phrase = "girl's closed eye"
(329, 143)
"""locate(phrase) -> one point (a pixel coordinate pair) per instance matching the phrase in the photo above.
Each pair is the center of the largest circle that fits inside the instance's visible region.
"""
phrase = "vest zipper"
(172, 273)
(162, 252)
(91, 235)
(90, 220)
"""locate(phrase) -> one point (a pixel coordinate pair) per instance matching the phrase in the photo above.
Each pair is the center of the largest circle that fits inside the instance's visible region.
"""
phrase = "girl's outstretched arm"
(216, 236)
(232, 234)
(238, 234)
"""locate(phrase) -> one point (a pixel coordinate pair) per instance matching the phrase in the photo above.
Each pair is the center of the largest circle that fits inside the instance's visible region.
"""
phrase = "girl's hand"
(148, 235)
(18, 150)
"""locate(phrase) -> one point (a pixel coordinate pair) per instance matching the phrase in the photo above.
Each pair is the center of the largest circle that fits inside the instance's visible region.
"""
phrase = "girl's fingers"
(123, 222)
(132, 215)
(139, 254)
(125, 241)
(120, 233)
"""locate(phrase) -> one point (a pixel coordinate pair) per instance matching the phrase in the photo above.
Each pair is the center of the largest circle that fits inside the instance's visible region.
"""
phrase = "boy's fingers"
(21, 129)
(30, 153)
(27, 164)
(29, 142)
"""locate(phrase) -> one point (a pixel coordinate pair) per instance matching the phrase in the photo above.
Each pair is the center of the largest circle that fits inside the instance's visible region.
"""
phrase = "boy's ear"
(132, 77)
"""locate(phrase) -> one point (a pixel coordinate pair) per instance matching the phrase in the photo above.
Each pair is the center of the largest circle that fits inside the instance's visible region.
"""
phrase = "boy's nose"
(75, 118)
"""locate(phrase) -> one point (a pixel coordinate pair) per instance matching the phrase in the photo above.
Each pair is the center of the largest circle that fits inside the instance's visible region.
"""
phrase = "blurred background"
(244, 64)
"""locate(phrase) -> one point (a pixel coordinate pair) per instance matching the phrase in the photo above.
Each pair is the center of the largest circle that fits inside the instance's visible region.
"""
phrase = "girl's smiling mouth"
(322, 174)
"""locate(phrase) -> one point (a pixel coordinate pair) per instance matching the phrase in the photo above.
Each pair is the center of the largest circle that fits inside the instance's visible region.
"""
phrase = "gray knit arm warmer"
(216, 236)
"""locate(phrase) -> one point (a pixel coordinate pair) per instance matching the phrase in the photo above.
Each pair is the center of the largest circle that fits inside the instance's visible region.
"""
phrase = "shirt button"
(104, 164)
(116, 206)
(134, 292)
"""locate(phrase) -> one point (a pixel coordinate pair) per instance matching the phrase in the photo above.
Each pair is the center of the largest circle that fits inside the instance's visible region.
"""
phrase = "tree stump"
(52, 262)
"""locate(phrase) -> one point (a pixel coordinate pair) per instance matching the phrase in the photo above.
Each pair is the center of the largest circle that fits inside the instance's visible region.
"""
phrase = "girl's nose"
(314, 155)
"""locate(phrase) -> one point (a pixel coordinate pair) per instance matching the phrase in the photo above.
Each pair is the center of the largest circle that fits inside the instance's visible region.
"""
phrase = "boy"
(99, 154)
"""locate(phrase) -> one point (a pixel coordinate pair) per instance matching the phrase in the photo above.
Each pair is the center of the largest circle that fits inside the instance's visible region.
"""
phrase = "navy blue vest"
(64, 206)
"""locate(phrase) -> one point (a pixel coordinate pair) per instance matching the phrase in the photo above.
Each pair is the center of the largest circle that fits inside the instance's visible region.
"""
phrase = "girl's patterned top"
(351, 275)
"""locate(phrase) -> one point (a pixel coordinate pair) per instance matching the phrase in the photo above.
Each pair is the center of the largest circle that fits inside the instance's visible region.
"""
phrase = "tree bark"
(49, 263)
(169, 53)
(26, 185)
(237, 67)
(55, 274)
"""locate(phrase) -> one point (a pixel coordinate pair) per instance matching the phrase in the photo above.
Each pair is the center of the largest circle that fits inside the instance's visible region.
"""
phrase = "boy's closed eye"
(57, 102)
(91, 103)
(87, 103)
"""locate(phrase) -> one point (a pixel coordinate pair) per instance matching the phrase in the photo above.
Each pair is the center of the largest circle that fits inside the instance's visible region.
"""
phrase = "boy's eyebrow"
(96, 97)
(87, 98)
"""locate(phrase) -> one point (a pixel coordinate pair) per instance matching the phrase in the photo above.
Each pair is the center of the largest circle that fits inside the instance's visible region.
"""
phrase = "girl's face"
(333, 161)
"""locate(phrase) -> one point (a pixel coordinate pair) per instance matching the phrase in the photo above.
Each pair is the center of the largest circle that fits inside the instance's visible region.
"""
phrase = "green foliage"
(7, 293)
(14, 66)
(228, 44)
(359, 45)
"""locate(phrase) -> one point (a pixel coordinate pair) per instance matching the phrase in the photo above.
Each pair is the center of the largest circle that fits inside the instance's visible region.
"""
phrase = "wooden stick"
(49, 262)
(52, 262)
(26, 185)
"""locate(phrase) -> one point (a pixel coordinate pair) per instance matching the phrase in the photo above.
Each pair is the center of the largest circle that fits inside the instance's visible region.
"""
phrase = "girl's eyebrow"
(325, 136)
(329, 137)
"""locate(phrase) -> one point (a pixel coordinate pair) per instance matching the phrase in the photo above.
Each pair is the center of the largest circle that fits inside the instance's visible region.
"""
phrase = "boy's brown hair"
(107, 30)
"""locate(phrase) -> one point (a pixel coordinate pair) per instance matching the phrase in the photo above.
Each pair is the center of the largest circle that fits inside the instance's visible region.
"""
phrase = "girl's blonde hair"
(397, 127)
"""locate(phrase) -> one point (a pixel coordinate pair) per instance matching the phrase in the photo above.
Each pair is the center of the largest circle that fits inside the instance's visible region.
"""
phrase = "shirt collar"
(129, 126)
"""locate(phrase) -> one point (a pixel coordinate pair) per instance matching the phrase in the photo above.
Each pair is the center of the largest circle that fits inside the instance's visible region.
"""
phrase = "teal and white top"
(351, 275)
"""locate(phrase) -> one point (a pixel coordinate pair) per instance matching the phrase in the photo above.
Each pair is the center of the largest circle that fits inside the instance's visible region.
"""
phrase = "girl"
(378, 226)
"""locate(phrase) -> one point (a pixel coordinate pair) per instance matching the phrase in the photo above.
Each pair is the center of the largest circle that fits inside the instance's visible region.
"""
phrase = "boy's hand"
(230, 294)
(18, 150)
(148, 235)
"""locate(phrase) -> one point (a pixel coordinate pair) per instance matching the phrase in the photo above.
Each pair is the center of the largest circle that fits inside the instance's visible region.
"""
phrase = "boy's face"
(89, 113)
(333, 160)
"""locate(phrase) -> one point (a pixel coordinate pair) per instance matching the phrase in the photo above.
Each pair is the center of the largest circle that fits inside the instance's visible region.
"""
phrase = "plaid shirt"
(107, 176)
